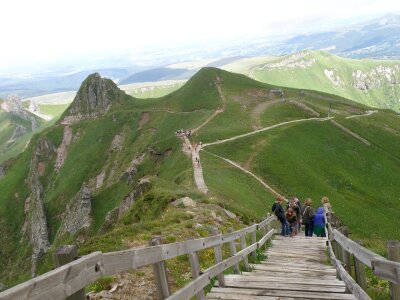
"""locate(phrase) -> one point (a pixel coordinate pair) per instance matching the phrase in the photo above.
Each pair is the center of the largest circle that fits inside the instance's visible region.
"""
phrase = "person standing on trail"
(297, 201)
(307, 217)
(296, 209)
(326, 203)
(319, 222)
(291, 217)
(280, 214)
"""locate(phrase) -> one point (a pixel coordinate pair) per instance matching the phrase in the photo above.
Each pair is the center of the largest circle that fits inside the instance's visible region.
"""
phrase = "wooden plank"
(216, 296)
(298, 294)
(356, 290)
(265, 222)
(218, 259)
(195, 267)
(284, 278)
(387, 269)
(285, 286)
(232, 249)
(294, 269)
(265, 238)
(243, 245)
(393, 249)
(363, 254)
(299, 275)
(160, 273)
(301, 265)
(64, 255)
(193, 287)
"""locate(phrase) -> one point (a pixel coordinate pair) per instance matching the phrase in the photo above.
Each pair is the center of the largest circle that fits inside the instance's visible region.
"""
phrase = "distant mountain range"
(378, 38)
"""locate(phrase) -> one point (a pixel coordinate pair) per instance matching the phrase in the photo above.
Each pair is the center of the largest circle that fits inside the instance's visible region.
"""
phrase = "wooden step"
(254, 277)
(240, 293)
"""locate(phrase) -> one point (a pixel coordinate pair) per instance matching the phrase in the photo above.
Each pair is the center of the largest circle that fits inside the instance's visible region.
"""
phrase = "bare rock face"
(62, 149)
(2, 172)
(126, 204)
(131, 171)
(18, 132)
(118, 212)
(35, 211)
(94, 98)
(77, 214)
(185, 201)
(14, 106)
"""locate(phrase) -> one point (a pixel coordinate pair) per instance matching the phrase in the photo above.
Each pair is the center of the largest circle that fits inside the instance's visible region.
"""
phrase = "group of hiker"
(181, 132)
(297, 215)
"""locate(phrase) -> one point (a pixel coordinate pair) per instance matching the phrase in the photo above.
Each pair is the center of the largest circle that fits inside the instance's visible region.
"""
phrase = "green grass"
(310, 159)
(317, 159)
(313, 77)
(53, 110)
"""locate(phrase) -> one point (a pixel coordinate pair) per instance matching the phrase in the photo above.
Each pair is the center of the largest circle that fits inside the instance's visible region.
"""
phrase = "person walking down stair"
(291, 217)
(307, 217)
(280, 214)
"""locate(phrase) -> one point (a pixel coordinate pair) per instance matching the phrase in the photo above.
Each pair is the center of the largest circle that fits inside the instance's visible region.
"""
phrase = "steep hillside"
(370, 82)
(16, 127)
(106, 174)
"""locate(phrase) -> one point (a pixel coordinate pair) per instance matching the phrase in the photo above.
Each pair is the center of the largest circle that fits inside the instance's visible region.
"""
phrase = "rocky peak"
(13, 105)
(94, 98)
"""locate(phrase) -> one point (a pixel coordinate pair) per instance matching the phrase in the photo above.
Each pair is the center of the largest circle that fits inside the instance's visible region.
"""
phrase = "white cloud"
(42, 31)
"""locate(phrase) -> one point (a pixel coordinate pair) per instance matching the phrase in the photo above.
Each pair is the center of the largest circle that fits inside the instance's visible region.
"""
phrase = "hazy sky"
(43, 31)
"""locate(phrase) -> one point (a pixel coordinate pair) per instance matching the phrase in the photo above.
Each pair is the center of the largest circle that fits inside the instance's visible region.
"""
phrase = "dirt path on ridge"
(218, 111)
(265, 129)
(263, 183)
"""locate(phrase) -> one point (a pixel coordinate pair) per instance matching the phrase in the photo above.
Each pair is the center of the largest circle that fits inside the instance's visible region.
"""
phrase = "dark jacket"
(278, 210)
(291, 218)
(307, 214)
(319, 218)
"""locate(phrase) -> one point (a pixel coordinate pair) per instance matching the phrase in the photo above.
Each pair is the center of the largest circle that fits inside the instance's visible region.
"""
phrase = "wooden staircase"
(296, 268)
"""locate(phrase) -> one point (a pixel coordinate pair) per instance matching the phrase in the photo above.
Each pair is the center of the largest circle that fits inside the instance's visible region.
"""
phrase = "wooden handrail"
(381, 267)
(67, 279)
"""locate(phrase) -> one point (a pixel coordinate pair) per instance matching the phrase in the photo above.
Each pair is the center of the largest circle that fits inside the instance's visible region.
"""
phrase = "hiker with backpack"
(307, 217)
(280, 214)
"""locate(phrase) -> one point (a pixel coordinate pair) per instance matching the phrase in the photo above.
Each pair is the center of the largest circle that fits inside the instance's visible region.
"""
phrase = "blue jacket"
(318, 217)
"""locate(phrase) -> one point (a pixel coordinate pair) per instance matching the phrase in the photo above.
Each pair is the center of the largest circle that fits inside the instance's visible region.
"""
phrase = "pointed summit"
(94, 98)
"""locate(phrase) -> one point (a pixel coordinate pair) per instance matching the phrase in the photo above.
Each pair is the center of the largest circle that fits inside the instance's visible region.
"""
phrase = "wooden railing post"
(393, 249)
(64, 255)
(346, 255)
(359, 270)
(243, 245)
(232, 247)
(218, 259)
(194, 264)
(160, 273)
(253, 241)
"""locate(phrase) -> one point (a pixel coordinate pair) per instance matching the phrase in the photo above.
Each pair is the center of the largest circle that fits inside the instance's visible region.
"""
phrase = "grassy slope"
(8, 123)
(313, 78)
(309, 159)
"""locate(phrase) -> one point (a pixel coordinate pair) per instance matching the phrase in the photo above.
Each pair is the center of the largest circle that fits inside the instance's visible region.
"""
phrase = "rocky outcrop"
(94, 98)
(118, 212)
(2, 172)
(13, 105)
(18, 132)
(131, 171)
(376, 77)
(116, 144)
(77, 214)
(35, 210)
(298, 60)
(126, 204)
(62, 149)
